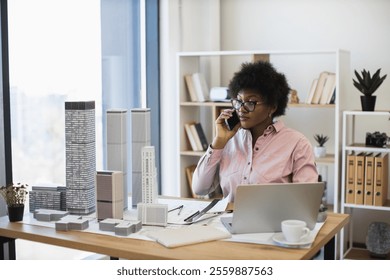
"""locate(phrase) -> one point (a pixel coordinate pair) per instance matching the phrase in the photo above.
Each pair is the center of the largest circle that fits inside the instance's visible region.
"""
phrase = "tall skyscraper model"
(140, 130)
(149, 176)
(80, 157)
(117, 146)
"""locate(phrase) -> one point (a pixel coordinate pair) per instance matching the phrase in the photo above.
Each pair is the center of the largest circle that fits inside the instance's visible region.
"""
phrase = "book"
(359, 177)
(190, 136)
(350, 179)
(201, 87)
(190, 173)
(329, 87)
(196, 137)
(319, 87)
(202, 136)
(333, 97)
(381, 174)
(191, 87)
(369, 179)
(311, 92)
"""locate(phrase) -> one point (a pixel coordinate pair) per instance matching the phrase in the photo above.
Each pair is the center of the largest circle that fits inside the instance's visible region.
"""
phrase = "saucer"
(279, 239)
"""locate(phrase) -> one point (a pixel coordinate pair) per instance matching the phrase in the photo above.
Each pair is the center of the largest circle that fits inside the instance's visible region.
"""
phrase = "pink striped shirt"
(280, 155)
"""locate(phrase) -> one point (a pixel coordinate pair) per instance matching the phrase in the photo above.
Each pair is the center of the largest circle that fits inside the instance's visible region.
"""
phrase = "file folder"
(359, 177)
(381, 167)
(350, 184)
(369, 180)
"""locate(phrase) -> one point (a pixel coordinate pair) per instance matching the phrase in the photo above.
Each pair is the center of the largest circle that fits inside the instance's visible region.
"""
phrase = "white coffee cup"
(294, 230)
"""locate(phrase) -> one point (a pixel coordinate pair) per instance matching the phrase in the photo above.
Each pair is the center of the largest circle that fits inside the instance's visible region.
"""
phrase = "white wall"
(360, 26)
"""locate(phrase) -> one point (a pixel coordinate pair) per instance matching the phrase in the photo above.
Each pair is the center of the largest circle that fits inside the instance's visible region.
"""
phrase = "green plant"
(368, 84)
(14, 194)
(321, 139)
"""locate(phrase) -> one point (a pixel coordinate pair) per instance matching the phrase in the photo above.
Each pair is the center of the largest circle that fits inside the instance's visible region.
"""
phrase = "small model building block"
(109, 194)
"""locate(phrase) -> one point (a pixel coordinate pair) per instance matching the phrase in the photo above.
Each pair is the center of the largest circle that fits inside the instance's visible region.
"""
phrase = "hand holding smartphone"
(232, 121)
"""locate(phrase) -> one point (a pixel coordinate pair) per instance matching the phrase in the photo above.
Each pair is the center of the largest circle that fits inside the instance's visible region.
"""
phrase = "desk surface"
(128, 248)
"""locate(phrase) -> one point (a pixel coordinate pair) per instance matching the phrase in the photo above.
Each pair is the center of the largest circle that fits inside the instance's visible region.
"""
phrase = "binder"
(359, 177)
(381, 173)
(369, 180)
(350, 179)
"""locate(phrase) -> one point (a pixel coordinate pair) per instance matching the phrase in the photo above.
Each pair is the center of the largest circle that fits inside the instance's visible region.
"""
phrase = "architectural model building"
(80, 157)
(149, 175)
(120, 227)
(49, 215)
(140, 130)
(153, 214)
(72, 223)
(47, 197)
(109, 194)
(117, 146)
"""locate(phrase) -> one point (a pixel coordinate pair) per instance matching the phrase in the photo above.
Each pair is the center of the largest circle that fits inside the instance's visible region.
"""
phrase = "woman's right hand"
(223, 134)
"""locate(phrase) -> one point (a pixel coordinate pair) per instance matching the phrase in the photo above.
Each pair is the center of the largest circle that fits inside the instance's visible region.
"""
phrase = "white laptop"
(261, 208)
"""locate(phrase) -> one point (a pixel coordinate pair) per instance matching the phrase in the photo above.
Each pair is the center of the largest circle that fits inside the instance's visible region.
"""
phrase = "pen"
(190, 217)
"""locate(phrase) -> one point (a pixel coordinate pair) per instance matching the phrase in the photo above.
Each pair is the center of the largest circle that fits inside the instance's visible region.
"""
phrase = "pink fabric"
(280, 155)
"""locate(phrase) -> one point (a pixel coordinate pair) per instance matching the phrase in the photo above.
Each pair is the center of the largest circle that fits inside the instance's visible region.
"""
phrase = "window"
(67, 50)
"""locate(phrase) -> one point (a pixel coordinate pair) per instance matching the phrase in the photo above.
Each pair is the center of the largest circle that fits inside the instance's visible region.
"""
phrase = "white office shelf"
(350, 122)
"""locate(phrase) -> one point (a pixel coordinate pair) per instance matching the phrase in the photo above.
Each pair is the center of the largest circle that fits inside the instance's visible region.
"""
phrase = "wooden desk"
(128, 248)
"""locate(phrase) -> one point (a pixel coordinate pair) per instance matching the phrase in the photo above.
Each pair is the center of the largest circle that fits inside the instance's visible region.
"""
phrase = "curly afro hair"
(262, 78)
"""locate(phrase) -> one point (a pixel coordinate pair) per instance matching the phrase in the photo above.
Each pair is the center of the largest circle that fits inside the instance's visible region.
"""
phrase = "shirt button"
(244, 178)
(249, 163)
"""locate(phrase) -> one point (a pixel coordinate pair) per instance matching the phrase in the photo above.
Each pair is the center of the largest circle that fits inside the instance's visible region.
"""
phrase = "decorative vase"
(378, 239)
(368, 102)
(319, 151)
(15, 213)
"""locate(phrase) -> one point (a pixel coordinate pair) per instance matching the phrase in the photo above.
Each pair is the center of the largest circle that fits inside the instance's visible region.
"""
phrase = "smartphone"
(232, 121)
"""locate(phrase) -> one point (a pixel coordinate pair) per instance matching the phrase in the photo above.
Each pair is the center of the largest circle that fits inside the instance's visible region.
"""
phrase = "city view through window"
(54, 56)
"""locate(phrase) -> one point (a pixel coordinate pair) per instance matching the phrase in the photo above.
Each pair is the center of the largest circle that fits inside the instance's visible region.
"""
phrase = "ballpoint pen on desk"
(192, 216)
(199, 214)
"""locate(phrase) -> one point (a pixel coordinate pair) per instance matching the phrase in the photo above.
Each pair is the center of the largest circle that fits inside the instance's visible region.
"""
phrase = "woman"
(258, 149)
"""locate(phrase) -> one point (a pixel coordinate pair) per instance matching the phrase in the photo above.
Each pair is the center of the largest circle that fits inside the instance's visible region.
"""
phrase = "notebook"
(176, 237)
(261, 208)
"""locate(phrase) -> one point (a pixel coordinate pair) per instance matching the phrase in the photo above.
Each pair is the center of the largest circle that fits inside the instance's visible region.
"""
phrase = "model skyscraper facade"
(141, 136)
(149, 175)
(80, 157)
(117, 146)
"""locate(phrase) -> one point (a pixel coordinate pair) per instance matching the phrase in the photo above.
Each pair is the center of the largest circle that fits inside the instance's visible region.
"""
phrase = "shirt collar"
(278, 125)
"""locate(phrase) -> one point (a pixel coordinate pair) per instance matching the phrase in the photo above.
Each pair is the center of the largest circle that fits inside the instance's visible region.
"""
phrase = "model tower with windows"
(117, 146)
(149, 176)
(80, 157)
(141, 136)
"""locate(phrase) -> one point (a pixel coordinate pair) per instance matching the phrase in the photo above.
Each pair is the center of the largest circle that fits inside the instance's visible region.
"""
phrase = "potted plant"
(367, 85)
(320, 149)
(15, 197)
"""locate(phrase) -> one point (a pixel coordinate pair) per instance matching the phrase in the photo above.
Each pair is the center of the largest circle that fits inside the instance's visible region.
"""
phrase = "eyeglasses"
(248, 105)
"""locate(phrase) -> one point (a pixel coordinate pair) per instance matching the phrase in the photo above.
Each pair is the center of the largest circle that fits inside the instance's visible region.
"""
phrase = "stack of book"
(196, 136)
(323, 89)
(197, 87)
(367, 178)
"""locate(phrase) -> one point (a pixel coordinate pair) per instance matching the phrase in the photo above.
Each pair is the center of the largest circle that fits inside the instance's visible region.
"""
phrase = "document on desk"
(194, 211)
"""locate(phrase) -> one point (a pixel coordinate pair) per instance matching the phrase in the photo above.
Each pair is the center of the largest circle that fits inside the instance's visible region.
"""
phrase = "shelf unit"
(353, 141)
(299, 67)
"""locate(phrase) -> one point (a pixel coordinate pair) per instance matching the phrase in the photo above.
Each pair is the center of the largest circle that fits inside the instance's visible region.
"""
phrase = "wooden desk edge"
(152, 250)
